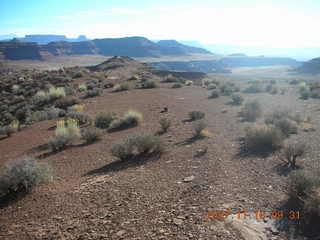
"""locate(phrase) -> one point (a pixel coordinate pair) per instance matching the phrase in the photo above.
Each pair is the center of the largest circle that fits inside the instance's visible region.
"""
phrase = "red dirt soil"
(95, 197)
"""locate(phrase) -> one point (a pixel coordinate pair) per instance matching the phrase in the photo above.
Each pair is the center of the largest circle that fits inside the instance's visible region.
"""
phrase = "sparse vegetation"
(214, 94)
(20, 176)
(304, 193)
(66, 133)
(198, 127)
(291, 152)
(251, 111)
(212, 86)
(172, 79)
(164, 125)
(39, 116)
(177, 85)
(262, 138)
(284, 121)
(80, 117)
(137, 144)
(91, 134)
(66, 102)
(254, 87)
(130, 119)
(56, 93)
(7, 130)
(104, 119)
(196, 115)
(121, 87)
(237, 99)
(149, 84)
(82, 87)
(305, 93)
(93, 93)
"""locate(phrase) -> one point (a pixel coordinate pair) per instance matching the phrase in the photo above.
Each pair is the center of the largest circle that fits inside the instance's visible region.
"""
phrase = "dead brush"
(291, 152)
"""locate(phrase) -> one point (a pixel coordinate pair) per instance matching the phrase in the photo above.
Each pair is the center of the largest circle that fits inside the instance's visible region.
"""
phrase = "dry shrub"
(20, 176)
(262, 138)
(304, 192)
(291, 152)
(136, 145)
(121, 87)
(66, 133)
(198, 128)
(164, 125)
(251, 111)
(130, 119)
(91, 134)
(196, 115)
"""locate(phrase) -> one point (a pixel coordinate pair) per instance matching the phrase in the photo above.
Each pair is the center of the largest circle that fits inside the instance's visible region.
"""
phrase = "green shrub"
(177, 85)
(251, 111)
(20, 176)
(214, 94)
(82, 87)
(198, 127)
(103, 119)
(91, 135)
(130, 119)
(136, 145)
(262, 138)
(196, 115)
(149, 84)
(164, 125)
(237, 99)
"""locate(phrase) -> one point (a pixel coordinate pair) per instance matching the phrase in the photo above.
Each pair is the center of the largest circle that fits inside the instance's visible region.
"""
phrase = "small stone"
(120, 233)
(177, 221)
(188, 179)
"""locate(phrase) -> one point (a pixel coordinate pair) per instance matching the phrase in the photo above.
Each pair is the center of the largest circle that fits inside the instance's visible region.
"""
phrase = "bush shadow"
(120, 165)
(190, 140)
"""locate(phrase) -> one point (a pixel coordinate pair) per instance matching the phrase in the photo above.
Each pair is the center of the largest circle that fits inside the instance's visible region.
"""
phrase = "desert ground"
(94, 195)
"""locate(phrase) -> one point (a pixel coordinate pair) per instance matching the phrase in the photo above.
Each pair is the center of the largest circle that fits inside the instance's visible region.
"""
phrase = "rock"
(120, 233)
(177, 221)
(188, 179)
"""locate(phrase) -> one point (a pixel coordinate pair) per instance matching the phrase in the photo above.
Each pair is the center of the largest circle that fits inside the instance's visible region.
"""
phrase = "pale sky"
(274, 23)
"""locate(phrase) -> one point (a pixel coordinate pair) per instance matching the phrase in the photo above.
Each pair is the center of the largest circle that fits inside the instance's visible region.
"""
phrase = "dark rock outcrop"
(15, 50)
